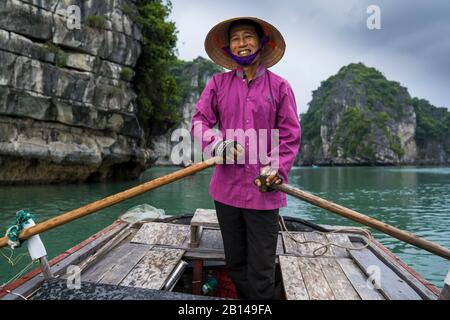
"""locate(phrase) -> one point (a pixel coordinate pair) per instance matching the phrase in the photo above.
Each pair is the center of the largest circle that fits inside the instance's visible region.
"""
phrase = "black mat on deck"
(56, 289)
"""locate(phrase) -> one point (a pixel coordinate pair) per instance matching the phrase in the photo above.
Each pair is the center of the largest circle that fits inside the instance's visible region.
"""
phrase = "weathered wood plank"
(211, 238)
(280, 248)
(315, 281)
(94, 272)
(359, 280)
(399, 267)
(150, 233)
(110, 245)
(340, 285)
(154, 268)
(342, 240)
(293, 247)
(317, 241)
(205, 217)
(117, 264)
(215, 255)
(391, 285)
(194, 239)
(293, 283)
(124, 265)
(162, 234)
(176, 235)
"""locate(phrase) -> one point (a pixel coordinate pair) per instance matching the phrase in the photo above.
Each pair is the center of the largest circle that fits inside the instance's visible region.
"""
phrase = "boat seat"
(202, 218)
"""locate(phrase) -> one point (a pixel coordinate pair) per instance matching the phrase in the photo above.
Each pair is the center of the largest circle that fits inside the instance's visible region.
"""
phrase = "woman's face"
(244, 40)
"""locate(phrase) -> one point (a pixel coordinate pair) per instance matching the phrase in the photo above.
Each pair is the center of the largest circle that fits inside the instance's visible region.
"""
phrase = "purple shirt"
(268, 102)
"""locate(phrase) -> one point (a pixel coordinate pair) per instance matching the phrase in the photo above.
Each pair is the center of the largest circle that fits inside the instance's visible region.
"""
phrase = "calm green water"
(413, 199)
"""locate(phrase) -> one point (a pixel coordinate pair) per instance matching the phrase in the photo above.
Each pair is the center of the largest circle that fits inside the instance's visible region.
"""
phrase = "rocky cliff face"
(67, 110)
(191, 78)
(358, 117)
(432, 134)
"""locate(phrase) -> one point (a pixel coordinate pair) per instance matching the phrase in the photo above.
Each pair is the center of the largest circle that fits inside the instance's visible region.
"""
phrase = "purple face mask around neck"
(245, 61)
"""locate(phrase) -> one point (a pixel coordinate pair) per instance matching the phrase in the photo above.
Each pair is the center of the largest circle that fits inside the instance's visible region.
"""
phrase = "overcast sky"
(412, 47)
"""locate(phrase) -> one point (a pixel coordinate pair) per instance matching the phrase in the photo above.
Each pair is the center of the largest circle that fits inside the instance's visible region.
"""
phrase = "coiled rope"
(13, 232)
(327, 245)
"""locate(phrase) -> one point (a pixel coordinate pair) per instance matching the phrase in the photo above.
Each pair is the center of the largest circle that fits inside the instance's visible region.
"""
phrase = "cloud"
(412, 47)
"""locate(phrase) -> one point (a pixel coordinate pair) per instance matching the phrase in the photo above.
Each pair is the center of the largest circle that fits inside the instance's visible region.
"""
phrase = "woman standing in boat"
(249, 98)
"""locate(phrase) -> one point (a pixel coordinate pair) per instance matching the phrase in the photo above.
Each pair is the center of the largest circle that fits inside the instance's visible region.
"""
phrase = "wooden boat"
(173, 256)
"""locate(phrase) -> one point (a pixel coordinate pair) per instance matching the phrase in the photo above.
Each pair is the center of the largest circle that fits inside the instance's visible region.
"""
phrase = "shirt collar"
(259, 71)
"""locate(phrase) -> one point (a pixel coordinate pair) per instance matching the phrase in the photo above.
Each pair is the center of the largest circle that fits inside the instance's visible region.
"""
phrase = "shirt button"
(246, 121)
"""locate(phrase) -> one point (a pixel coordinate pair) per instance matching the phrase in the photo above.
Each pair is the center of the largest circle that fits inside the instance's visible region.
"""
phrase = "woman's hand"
(229, 150)
(272, 176)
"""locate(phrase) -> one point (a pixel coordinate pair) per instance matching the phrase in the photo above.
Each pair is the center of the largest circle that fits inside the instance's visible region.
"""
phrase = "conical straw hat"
(217, 38)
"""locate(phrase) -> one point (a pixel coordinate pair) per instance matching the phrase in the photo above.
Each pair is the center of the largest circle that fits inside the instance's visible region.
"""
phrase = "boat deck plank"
(305, 243)
(316, 242)
(332, 275)
(343, 241)
(115, 266)
(315, 280)
(359, 280)
(389, 283)
(154, 268)
(205, 218)
(162, 234)
(280, 247)
(211, 239)
(338, 281)
(293, 247)
(294, 288)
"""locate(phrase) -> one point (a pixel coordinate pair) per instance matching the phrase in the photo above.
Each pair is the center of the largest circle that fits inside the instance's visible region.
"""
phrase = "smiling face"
(244, 40)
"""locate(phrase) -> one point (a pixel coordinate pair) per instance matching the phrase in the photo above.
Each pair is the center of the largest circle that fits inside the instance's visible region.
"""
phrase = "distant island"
(358, 117)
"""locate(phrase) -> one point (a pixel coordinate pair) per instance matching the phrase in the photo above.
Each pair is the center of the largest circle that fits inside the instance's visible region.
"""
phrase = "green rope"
(22, 218)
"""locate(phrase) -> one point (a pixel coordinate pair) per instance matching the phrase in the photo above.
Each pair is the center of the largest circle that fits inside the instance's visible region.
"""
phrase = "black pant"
(250, 242)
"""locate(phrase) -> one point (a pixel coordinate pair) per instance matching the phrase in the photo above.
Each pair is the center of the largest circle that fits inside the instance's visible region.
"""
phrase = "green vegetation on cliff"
(432, 123)
(377, 88)
(60, 57)
(155, 87)
(363, 102)
(351, 135)
(161, 80)
(184, 71)
(94, 21)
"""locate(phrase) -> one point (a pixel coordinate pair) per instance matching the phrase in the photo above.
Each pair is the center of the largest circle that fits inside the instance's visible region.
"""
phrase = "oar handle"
(368, 221)
(112, 200)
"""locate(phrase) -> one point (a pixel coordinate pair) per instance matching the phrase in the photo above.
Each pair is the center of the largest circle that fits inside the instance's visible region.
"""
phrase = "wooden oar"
(368, 221)
(112, 200)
